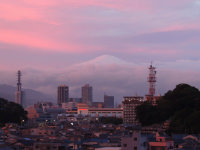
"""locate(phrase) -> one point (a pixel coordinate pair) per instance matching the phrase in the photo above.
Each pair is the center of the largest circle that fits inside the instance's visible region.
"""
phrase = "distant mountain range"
(31, 96)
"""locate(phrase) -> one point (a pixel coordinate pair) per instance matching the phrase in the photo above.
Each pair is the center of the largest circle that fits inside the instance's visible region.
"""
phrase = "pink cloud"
(44, 3)
(79, 31)
(26, 39)
(121, 5)
(43, 42)
(13, 12)
(179, 27)
(151, 51)
(37, 10)
(111, 4)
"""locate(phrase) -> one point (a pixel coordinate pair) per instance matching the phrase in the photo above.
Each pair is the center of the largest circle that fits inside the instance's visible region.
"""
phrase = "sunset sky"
(107, 43)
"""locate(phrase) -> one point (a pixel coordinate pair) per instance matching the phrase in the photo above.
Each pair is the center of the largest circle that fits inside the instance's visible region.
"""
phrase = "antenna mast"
(19, 85)
(19, 92)
(152, 80)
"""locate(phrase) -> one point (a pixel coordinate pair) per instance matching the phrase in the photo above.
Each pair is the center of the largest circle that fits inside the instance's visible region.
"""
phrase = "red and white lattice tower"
(152, 80)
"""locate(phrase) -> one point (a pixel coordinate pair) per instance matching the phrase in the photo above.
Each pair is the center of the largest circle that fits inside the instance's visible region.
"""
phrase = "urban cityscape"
(99, 75)
(80, 123)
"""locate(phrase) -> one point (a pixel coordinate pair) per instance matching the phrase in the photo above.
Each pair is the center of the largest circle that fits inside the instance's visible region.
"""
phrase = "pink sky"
(83, 26)
(57, 34)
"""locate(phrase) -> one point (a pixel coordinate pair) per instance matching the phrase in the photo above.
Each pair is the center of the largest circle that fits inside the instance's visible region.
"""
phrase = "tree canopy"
(11, 112)
(113, 120)
(181, 106)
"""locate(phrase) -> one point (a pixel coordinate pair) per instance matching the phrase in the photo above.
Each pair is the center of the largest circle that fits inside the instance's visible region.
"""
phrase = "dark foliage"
(113, 120)
(181, 106)
(146, 113)
(11, 112)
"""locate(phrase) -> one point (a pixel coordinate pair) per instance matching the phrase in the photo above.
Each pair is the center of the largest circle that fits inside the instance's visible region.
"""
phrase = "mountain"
(31, 96)
(107, 74)
(105, 60)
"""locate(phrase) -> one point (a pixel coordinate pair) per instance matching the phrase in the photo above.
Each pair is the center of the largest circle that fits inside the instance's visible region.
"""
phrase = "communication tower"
(152, 80)
(19, 92)
(19, 85)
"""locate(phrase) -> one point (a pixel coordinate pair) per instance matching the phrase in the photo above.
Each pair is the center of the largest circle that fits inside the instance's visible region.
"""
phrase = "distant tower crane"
(152, 80)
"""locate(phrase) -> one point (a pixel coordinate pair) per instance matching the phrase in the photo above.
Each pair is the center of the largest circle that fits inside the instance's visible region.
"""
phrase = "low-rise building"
(67, 117)
(49, 146)
(82, 108)
(43, 131)
(105, 112)
(161, 142)
(130, 140)
(97, 104)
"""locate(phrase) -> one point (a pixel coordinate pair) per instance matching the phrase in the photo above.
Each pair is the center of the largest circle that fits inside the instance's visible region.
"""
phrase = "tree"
(11, 112)
(146, 113)
(113, 120)
(181, 106)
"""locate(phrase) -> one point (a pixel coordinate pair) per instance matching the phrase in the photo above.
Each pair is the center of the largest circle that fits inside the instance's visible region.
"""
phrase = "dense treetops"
(112, 120)
(11, 112)
(181, 106)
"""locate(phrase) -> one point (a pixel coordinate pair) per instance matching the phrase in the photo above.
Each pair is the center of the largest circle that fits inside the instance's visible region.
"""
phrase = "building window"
(171, 147)
(36, 146)
(135, 139)
(135, 148)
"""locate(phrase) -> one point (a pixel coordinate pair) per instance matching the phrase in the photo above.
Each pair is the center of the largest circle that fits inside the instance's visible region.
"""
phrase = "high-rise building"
(63, 94)
(19, 93)
(129, 109)
(87, 94)
(78, 100)
(108, 101)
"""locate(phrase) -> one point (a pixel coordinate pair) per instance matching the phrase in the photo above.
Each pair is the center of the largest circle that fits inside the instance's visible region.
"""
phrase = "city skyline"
(108, 44)
(110, 71)
(99, 74)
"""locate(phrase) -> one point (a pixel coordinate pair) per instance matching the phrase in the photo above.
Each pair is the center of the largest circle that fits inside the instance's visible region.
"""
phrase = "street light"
(46, 121)
(22, 122)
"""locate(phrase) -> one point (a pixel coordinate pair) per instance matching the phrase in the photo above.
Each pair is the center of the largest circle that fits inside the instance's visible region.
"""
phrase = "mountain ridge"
(31, 96)
(105, 60)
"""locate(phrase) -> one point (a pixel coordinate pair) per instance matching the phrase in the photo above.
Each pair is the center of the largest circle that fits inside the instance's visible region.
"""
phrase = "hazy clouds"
(109, 75)
(53, 42)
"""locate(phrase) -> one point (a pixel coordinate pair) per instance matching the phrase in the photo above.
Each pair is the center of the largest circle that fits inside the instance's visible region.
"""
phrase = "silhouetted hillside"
(11, 112)
(181, 106)
(31, 96)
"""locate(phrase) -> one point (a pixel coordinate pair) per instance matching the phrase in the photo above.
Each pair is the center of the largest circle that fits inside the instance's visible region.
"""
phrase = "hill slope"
(181, 106)
(31, 96)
